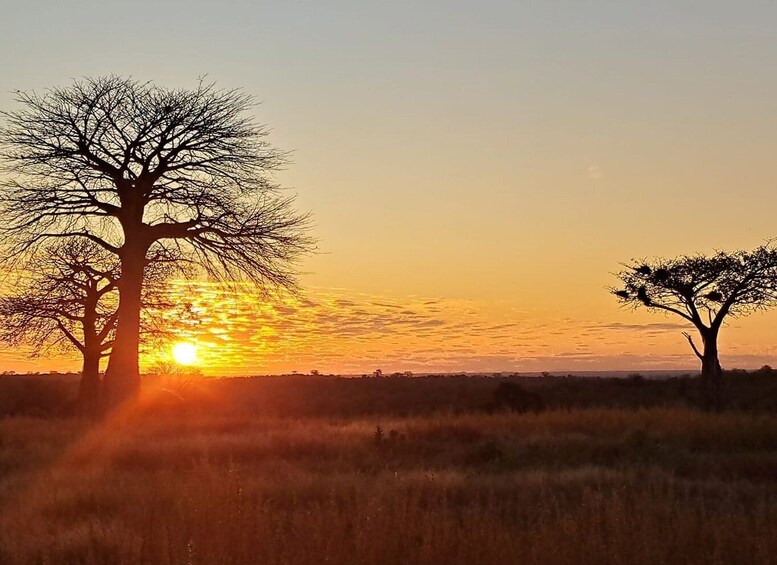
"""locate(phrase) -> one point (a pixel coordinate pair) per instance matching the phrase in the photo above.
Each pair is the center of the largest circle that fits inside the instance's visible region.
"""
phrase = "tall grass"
(660, 485)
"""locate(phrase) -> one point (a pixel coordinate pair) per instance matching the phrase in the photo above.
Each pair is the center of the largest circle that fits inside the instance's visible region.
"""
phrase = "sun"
(185, 353)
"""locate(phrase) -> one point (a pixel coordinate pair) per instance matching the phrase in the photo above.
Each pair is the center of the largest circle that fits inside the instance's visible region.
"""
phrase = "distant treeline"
(320, 396)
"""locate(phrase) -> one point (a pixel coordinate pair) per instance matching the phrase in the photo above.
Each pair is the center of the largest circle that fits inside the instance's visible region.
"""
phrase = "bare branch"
(693, 345)
(139, 170)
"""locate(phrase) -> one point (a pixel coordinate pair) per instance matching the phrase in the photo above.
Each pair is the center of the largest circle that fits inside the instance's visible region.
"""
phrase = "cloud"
(594, 172)
(654, 327)
(341, 331)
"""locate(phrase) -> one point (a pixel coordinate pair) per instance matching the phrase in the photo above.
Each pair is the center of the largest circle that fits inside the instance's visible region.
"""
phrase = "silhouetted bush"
(512, 396)
(38, 396)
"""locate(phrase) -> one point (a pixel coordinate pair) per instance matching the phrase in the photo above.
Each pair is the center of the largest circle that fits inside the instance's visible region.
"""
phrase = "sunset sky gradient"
(476, 170)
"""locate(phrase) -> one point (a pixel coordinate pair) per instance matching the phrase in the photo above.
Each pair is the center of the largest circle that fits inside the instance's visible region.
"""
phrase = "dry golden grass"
(585, 486)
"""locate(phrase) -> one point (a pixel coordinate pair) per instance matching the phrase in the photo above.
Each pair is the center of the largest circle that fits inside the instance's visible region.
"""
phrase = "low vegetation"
(327, 396)
(216, 472)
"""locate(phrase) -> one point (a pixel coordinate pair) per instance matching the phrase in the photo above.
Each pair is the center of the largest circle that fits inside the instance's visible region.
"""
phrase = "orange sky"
(346, 332)
(476, 170)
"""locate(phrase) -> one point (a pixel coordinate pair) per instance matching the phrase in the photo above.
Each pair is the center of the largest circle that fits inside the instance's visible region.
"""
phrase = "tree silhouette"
(65, 299)
(705, 291)
(139, 170)
(67, 296)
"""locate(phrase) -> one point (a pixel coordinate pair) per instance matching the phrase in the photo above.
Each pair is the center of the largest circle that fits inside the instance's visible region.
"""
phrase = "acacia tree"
(704, 290)
(140, 169)
(64, 299)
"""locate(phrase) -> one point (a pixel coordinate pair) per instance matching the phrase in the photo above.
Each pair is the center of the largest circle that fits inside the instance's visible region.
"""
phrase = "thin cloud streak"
(346, 332)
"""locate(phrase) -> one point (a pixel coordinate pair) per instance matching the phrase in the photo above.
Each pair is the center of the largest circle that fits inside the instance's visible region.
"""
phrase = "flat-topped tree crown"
(703, 290)
(134, 167)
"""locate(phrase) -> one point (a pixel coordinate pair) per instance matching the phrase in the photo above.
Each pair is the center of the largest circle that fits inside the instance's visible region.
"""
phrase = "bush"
(513, 397)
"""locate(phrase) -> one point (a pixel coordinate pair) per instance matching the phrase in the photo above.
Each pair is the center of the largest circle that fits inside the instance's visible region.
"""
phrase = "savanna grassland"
(427, 470)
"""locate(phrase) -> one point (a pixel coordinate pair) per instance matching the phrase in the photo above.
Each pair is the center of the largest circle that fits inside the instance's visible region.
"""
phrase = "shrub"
(514, 397)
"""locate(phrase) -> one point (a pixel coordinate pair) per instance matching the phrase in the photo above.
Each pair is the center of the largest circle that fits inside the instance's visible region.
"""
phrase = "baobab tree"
(65, 298)
(141, 169)
(704, 290)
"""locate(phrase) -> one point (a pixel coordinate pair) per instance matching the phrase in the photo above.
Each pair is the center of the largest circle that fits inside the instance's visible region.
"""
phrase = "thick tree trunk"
(122, 377)
(711, 372)
(89, 386)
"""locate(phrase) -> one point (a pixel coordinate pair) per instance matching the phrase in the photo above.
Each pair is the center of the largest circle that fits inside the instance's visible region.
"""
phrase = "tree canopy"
(704, 290)
(144, 171)
(191, 166)
(67, 285)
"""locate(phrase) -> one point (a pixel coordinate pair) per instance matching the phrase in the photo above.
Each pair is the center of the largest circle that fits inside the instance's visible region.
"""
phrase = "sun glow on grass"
(185, 354)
